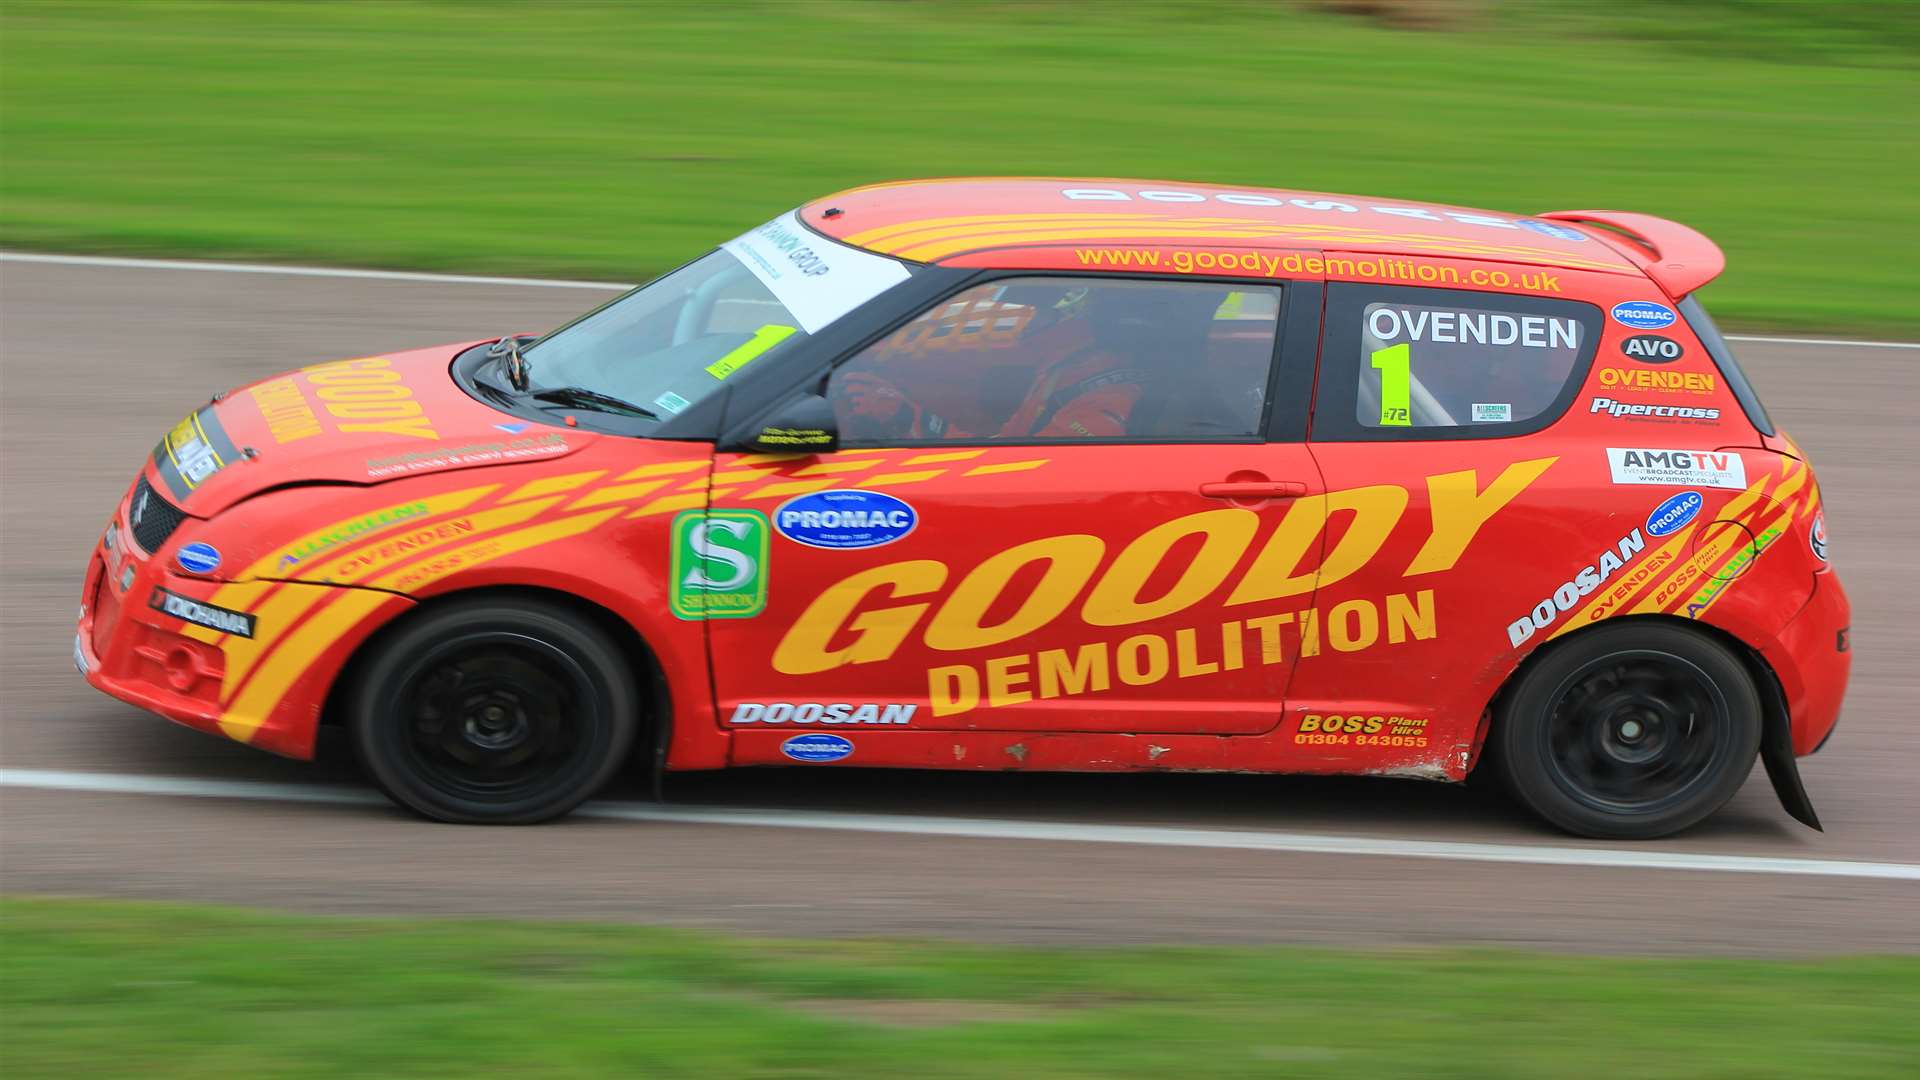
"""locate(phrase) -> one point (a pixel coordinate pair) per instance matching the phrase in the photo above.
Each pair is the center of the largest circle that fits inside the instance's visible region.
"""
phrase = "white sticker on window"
(1492, 413)
(818, 279)
(1677, 468)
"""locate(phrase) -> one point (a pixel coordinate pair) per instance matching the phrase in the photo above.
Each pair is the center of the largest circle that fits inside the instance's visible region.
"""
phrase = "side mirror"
(804, 425)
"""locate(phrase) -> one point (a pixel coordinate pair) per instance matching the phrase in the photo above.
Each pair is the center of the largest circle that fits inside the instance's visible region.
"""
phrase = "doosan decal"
(1567, 596)
(1673, 515)
(1677, 468)
(1652, 349)
(814, 712)
(844, 519)
(1644, 315)
(817, 748)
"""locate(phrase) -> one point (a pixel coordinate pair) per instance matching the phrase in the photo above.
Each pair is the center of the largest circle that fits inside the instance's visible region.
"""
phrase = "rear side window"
(1410, 363)
(1736, 379)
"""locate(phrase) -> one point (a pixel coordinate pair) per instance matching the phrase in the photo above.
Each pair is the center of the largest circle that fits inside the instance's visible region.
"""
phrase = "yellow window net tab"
(763, 339)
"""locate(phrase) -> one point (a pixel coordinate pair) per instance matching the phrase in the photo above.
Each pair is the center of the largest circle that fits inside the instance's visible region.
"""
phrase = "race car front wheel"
(494, 711)
(1629, 731)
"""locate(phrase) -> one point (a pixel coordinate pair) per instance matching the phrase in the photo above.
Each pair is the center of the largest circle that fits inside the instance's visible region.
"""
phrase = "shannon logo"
(718, 567)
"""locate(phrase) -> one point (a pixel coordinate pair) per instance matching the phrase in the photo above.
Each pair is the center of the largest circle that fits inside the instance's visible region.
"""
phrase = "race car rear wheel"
(494, 711)
(1630, 731)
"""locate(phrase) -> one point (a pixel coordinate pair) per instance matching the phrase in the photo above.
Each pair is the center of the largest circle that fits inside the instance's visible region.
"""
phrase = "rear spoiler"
(1677, 258)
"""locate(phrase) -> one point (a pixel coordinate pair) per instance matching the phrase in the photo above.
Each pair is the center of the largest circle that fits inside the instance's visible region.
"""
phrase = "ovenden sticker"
(1677, 468)
(818, 279)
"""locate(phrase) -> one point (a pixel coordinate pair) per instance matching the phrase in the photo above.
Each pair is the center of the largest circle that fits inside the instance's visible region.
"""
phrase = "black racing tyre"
(1629, 732)
(494, 711)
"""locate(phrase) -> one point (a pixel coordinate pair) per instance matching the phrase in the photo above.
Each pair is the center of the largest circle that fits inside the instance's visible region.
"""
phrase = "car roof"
(938, 220)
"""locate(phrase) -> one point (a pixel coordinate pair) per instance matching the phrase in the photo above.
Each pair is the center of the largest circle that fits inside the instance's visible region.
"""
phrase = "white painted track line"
(1648, 858)
(560, 283)
(303, 271)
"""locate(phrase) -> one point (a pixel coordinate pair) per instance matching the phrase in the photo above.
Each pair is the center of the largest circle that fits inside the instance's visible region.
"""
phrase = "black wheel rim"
(496, 717)
(1636, 732)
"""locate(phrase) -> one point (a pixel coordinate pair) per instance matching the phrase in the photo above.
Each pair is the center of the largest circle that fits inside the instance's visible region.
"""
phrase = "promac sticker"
(845, 520)
(816, 748)
(1643, 315)
(718, 567)
(1672, 516)
(198, 558)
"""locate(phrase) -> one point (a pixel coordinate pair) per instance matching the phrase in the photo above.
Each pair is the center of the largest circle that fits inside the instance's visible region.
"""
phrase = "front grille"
(152, 517)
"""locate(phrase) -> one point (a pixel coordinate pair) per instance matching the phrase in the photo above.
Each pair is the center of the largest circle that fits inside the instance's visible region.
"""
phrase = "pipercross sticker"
(1678, 468)
(201, 613)
(718, 568)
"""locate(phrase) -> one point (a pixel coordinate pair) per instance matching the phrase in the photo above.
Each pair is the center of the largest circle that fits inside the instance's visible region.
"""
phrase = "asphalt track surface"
(98, 359)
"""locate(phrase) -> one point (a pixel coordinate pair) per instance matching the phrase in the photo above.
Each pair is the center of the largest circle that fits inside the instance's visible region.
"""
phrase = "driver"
(1096, 364)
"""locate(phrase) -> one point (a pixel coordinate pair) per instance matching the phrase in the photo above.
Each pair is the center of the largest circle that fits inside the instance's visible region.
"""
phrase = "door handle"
(1253, 489)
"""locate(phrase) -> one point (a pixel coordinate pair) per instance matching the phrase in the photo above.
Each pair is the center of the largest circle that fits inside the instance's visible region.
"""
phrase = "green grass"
(163, 990)
(618, 140)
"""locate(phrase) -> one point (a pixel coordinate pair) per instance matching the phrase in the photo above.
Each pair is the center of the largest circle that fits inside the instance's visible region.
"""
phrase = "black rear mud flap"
(1776, 751)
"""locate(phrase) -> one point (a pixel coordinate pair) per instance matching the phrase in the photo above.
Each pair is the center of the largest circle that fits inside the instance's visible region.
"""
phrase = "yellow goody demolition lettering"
(868, 616)
(1188, 652)
(368, 395)
(289, 417)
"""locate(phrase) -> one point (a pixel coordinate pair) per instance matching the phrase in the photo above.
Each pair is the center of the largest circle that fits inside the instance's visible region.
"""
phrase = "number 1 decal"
(1395, 365)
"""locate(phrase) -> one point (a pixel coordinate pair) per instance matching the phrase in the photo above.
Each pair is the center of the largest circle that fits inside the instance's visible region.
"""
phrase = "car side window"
(1412, 363)
(1068, 359)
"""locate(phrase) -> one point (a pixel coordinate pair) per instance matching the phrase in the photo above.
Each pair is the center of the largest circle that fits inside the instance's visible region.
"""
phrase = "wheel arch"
(1776, 735)
(656, 695)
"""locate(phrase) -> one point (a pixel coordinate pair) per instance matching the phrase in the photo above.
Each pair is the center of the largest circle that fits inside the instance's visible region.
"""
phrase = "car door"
(1056, 509)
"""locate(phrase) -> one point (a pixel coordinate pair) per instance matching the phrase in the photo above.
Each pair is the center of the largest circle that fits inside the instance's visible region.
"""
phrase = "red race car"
(1022, 474)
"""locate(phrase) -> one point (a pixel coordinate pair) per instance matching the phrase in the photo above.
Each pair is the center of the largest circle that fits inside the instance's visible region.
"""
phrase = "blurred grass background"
(157, 990)
(617, 140)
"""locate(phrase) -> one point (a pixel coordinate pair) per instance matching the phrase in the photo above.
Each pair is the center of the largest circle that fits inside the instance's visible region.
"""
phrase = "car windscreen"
(673, 341)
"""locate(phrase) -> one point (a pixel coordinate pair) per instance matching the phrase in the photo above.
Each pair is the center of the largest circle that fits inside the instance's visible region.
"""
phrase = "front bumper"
(264, 685)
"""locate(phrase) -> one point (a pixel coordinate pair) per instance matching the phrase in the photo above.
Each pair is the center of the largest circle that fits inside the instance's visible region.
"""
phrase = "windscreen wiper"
(507, 352)
(579, 397)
